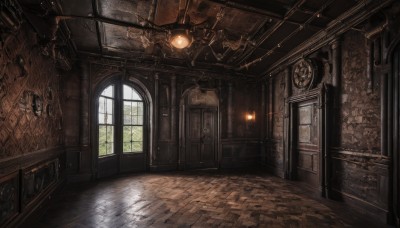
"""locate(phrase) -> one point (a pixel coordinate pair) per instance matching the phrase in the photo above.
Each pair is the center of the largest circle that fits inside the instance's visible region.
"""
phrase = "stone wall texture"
(275, 147)
(360, 109)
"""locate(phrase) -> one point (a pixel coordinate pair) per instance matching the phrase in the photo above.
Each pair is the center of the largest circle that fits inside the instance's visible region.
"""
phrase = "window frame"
(113, 120)
(118, 121)
(123, 100)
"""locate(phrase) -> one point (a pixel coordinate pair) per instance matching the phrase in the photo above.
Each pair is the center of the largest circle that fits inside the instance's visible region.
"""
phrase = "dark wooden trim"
(321, 94)
(363, 10)
(12, 164)
(18, 167)
(14, 175)
(361, 205)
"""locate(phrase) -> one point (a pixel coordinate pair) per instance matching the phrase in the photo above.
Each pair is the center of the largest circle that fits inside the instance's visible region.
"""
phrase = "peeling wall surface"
(275, 144)
(329, 91)
(358, 171)
(31, 125)
(30, 111)
(360, 106)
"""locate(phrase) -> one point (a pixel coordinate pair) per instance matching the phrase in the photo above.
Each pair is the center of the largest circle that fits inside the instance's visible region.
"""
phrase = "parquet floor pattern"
(190, 199)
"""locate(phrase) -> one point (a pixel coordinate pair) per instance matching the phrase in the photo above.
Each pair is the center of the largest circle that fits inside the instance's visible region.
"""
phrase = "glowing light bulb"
(249, 116)
(180, 41)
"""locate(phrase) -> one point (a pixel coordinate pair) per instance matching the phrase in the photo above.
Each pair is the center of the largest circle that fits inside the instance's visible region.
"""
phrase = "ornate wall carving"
(30, 119)
(36, 179)
(9, 197)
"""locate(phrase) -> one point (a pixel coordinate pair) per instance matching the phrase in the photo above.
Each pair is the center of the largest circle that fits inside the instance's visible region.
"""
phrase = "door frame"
(183, 108)
(321, 95)
(391, 126)
(118, 80)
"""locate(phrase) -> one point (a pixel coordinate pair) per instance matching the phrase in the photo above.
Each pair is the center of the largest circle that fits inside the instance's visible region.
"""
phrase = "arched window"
(106, 121)
(132, 121)
(115, 132)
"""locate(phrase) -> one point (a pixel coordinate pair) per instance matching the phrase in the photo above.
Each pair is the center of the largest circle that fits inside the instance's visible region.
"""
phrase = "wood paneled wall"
(31, 126)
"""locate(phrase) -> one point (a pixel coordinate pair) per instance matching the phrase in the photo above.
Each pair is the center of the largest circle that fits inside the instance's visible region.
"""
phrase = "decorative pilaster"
(85, 157)
(229, 124)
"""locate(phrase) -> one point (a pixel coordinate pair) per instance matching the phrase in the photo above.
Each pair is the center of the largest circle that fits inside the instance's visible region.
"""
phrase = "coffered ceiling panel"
(247, 37)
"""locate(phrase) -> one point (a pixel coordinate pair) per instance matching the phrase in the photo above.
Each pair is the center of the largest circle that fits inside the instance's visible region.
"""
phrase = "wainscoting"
(361, 180)
(241, 152)
(26, 182)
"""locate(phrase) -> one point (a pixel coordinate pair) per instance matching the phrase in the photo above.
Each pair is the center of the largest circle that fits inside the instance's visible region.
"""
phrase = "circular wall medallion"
(303, 74)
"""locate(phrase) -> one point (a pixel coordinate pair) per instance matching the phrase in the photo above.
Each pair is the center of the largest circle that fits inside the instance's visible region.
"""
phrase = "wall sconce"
(250, 116)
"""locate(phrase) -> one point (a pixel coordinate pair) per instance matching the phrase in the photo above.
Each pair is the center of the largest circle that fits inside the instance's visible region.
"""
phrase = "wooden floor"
(195, 199)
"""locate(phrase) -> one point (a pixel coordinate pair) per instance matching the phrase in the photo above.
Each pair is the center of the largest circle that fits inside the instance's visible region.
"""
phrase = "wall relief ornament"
(37, 105)
(304, 74)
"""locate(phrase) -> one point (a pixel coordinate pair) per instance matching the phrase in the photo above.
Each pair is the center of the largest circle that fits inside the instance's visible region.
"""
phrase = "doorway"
(306, 143)
(199, 131)
(306, 158)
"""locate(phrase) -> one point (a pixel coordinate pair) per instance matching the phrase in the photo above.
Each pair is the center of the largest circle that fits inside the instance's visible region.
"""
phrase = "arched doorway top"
(202, 97)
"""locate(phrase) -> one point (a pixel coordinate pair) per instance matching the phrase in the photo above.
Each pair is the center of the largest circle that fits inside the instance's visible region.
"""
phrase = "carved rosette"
(304, 74)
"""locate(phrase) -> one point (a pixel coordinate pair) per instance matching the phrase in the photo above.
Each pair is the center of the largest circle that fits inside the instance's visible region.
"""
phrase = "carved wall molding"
(9, 197)
(304, 74)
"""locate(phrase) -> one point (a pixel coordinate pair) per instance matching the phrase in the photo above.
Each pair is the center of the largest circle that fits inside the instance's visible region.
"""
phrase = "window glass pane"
(102, 119)
(102, 108)
(127, 147)
(110, 148)
(137, 133)
(102, 140)
(102, 149)
(110, 106)
(110, 133)
(139, 120)
(137, 147)
(127, 92)
(127, 112)
(109, 119)
(127, 135)
(108, 92)
(140, 108)
(130, 94)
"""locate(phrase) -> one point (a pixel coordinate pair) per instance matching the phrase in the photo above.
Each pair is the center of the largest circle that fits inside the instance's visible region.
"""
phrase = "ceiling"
(248, 37)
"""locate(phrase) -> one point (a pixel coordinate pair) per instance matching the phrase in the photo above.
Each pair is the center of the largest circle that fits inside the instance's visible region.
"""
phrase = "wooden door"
(305, 143)
(201, 138)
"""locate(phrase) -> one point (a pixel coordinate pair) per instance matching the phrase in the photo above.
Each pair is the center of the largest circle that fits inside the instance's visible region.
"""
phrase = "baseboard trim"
(361, 205)
(76, 178)
(275, 170)
(164, 167)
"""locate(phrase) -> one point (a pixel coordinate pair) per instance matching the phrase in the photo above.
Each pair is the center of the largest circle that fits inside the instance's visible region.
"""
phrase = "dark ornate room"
(199, 113)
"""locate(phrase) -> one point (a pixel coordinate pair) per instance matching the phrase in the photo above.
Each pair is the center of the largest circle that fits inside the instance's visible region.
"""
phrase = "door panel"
(305, 139)
(208, 137)
(201, 139)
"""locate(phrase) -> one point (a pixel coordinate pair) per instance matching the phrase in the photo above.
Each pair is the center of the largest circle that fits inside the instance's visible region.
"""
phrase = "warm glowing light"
(180, 41)
(250, 116)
